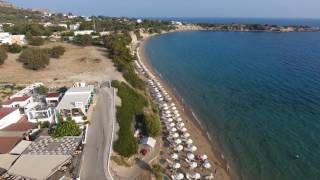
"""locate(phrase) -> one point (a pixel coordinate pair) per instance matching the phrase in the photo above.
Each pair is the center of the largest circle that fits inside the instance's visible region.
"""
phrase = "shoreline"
(196, 127)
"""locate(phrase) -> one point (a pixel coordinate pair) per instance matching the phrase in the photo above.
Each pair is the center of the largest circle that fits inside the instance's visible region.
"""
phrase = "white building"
(84, 32)
(9, 116)
(17, 102)
(139, 21)
(63, 25)
(7, 38)
(39, 112)
(27, 90)
(75, 103)
(74, 27)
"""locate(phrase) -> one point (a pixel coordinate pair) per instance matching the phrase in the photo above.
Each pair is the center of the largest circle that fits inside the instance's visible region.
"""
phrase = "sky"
(182, 8)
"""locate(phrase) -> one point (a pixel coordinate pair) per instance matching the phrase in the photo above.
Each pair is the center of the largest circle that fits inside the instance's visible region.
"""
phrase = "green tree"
(3, 55)
(83, 40)
(86, 25)
(42, 90)
(153, 125)
(56, 51)
(66, 128)
(34, 58)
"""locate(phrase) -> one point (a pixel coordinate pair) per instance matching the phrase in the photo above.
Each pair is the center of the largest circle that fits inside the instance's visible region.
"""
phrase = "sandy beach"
(198, 134)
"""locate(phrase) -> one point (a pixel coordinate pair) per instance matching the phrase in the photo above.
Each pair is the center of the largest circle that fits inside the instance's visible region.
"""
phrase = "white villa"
(39, 112)
(75, 103)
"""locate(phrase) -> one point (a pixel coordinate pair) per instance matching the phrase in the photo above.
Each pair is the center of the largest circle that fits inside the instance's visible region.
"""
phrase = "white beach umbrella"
(204, 157)
(184, 129)
(164, 104)
(176, 165)
(174, 108)
(169, 99)
(169, 120)
(196, 176)
(178, 176)
(206, 165)
(174, 156)
(168, 115)
(190, 156)
(193, 148)
(175, 135)
(165, 108)
(172, 124)
(177, 115)
(209, 177)
(176, 112)
(179, 119)
(173, 130)
(159, 95)
(178, 141)
(189, 141)
(181, 124)
(179, 148)
(186, 135)
(160, 99)
(172, 104)
(168, 112)
(193, 165)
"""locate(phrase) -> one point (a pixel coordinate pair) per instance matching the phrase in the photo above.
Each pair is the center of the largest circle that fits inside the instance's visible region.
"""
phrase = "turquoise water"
(257, 93)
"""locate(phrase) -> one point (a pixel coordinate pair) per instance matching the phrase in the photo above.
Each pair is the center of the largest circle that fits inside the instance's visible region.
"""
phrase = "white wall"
(18, 104)
(10, 119)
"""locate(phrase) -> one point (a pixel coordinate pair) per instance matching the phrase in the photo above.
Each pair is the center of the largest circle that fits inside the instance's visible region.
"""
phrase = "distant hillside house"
(74, 27)
(84, 32)
(9, 116)
(75, 103)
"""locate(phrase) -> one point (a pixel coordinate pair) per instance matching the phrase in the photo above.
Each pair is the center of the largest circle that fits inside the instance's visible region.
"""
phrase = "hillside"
(9, 13)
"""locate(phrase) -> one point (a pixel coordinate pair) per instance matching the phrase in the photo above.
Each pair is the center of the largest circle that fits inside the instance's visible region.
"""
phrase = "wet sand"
(198, 133)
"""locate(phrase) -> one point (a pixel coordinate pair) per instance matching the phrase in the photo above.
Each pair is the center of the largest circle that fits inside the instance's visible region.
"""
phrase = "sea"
(256, 93)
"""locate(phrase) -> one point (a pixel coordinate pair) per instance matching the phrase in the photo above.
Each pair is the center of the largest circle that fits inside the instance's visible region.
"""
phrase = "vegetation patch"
(120, 54)
(132, 104)
(121, 161)
(157, 170)
(66, 128)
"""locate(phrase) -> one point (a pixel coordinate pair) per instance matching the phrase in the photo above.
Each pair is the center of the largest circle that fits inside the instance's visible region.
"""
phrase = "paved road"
(96, 150)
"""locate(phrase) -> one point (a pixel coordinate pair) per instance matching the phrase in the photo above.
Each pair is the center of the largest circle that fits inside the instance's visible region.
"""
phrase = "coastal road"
(95, 160)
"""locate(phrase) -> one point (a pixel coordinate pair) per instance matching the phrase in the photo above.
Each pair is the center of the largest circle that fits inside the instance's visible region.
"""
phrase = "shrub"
(45, 124)
(34, 58)
(132, 104)
(83, 40)
(66, 128)
(157, 170)
(62, 89)
(13, 48)
(36, 41)
(56, 51)
(3, 55)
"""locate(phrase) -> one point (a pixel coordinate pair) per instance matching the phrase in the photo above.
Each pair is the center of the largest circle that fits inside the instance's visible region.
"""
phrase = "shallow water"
(258, 93)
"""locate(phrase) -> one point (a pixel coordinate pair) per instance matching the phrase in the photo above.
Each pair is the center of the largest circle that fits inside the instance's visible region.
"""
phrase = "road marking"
(111, 143)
